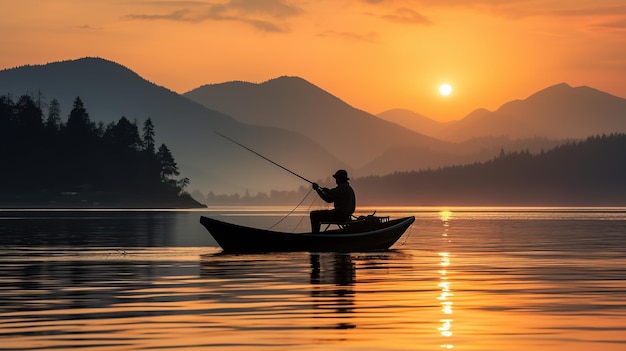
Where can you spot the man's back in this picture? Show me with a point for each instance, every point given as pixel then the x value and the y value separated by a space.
pixel 342 196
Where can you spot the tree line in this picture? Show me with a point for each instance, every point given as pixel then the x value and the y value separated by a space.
pixel 577 173
pixel 582 173
pixel 46 160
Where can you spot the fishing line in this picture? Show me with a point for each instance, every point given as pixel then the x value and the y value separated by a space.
pixel 314 201
pixel 276 164
pixel 407 236
pixel 292 211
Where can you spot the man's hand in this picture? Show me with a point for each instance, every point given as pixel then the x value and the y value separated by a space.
pixel 315 186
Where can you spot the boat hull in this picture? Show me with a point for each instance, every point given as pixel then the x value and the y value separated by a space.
pixel 240 239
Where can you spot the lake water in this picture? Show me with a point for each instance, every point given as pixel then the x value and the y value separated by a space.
pixel 461 278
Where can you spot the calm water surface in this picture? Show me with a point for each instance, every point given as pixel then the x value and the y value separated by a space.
pixel 460 278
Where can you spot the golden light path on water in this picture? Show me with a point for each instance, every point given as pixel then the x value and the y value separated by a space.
pixel 445 298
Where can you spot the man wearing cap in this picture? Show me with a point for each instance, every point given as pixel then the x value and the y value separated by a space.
pixel 342 196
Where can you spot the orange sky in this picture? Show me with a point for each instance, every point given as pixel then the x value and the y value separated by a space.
pixel 373 54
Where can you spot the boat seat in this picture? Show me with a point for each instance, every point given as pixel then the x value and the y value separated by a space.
pixel 341 225
pixel 357 223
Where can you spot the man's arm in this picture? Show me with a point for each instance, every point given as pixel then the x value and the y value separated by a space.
pixel 325 194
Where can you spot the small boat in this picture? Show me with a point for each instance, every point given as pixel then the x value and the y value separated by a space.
pixel 362 235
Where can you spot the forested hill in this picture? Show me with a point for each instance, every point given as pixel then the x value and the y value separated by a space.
pixel 585 173
pixel 48 163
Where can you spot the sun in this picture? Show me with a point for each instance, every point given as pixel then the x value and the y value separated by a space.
pixel 445 89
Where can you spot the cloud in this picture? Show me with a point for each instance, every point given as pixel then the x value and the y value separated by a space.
pixel 264 26
pixel 512 8
pixel 87 27
pixel 369 37
pixel 166 3
pixel 563 10
pixel 265 16
pixel 184 15
pixel 273 8
pixel 611 26
pixel 408 16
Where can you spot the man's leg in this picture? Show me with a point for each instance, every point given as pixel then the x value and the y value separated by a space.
pixel 319 216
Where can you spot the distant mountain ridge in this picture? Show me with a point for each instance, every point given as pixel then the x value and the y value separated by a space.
pixel 368 144
pixel 557 112
pixel 414 121
pixel 292 103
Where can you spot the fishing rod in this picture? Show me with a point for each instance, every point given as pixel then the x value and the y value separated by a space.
pixel 263 157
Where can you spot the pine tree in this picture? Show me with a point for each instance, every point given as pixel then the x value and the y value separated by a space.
pixel 29 116
pixel 148 136
pixel 124 135
pixel 169 168
pixel 79 127
pixel 53 122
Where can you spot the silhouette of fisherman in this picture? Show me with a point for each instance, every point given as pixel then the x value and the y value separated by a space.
pixel 342 196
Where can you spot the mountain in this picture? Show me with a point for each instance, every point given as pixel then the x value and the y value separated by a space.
pixel 368 144
pixel 414 121
pixel 292 103
pixel 557 112
pixel 110 91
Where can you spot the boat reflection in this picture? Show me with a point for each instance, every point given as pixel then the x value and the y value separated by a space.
pixel 321 299
pixel 332 287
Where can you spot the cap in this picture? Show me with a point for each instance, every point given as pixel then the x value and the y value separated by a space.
pixel 342 174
